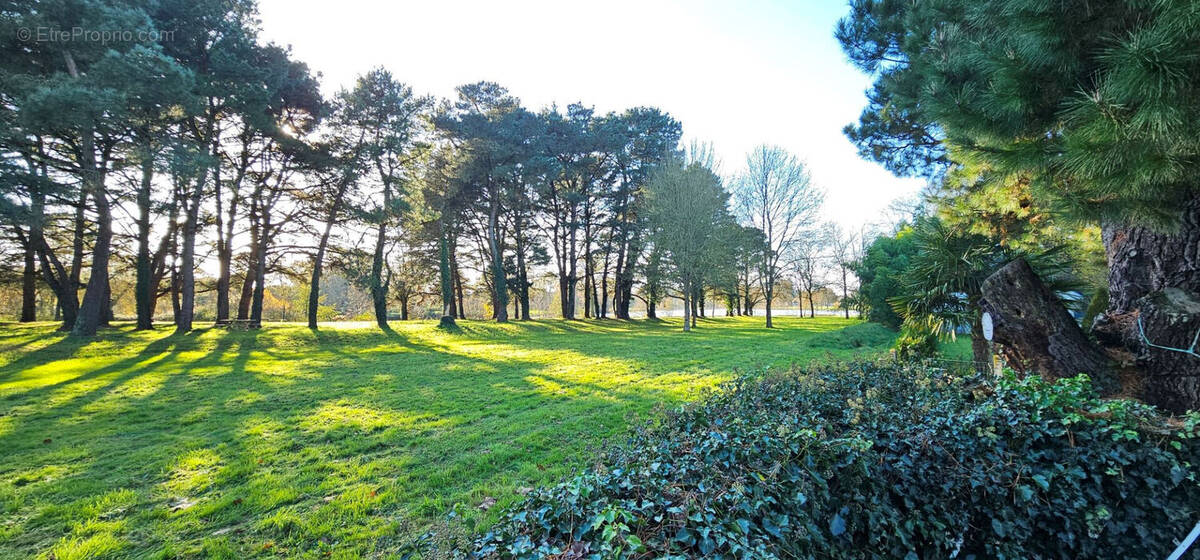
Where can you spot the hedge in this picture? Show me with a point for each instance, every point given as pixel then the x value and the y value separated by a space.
pixel 877 461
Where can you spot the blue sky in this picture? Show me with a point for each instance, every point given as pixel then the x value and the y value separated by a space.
pixel 736 74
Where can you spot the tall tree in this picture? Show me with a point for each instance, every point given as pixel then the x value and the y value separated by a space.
pixel 776 194
pixel 493 136
pixel 687 210
pixel 338 164
pixel 79 102
pixel 393 117
pixel 842 245
pixel 1095 104
pixel 216 41
pixel 649 137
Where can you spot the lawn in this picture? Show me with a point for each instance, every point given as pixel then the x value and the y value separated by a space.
pixel 342 443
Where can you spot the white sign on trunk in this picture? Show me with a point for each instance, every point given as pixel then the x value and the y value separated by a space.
pixel 987 326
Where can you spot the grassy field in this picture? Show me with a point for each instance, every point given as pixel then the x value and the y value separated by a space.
pixel 344 443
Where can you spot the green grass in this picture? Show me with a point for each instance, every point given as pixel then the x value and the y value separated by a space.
pixel 957 349
pixel 343 443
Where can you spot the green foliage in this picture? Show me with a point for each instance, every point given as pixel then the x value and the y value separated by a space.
pixel 1094 103
pixel 879 273
pixel 687 209
pixel 877 461
pixel 943 284
pixel 916 343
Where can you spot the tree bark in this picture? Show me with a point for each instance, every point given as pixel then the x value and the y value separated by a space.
pixel 187 266
pixel 981 354
pixel 226 222
pixel 378 288
pixel 246 296
pixel 91 309
pixel 523 275
pixel 768 295
pixel 1153 310
pixel 29 282
pixel 142 284
pixel 845 293
pixel 499 284
pixel 260 270
pixel 54 273
pixel 687 306
pixel 445 278
pixel 1037 333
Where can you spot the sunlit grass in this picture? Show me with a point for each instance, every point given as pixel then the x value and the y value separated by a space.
pixel 348 441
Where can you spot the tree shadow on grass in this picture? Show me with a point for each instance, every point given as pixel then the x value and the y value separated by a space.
pixel 312 441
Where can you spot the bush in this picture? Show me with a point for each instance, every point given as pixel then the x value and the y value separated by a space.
pixel 859 335
pixel 877 461
pixel 916 344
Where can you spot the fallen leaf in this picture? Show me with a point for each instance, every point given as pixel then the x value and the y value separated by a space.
pixel 487 503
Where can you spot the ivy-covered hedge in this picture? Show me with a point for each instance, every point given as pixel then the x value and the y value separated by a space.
pixel 877 461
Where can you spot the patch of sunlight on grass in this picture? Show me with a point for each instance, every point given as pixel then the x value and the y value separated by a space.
pixel 343 442
pixel 342 414
pixel 101 545
pixel 245 398
pixel 45 473
pixel 192 472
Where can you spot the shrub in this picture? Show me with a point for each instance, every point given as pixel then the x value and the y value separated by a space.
pixel 877 461
pixel 916 344
pixel 859 335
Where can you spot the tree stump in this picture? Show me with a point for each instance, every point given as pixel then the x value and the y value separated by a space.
pixel 1037 333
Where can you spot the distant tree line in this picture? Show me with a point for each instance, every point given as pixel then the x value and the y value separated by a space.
pixel 201 164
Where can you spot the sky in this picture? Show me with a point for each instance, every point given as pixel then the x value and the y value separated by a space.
pixel 736 74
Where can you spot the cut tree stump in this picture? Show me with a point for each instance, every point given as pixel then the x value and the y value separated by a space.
pixel 1037 333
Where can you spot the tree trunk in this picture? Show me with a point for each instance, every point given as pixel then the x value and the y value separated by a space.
pixel 981 353
pixel 687 307
pixel 845 293
pixel 1153 313
pixel 225 225
pixel 224 277
pixel 378 289
pixel 314 283
pixel 142 284
pixel 769 294
pixel 176 305
pixel 187 266
pixel 91 309
pixel 458 284
pixel 260 271
pixel 1037 333
pixel 314 286
pixel 523 289
pixel 106 308
pixel 445 278
pixel 29 284
pixel 499 283
pixel 246 296
pixel 53 272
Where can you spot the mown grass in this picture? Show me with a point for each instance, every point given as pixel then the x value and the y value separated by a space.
pixel 342 443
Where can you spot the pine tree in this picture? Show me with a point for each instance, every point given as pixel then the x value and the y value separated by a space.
pixel 1094 103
